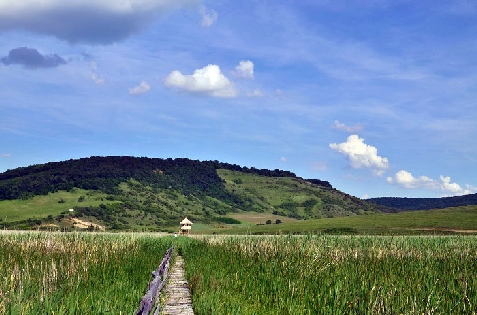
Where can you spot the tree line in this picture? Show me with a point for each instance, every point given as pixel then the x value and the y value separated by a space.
pixel 106 173
pixel 425 203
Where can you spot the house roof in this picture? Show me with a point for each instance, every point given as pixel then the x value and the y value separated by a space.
pixel 186 221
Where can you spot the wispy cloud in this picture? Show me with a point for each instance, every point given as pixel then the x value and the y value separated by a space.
pixel 342 127
pixel 256 93
pixel 5 155
pixel 207 81
pixel 318 166
pixel 31 58
pixel 361 155
pixel 94 75
pixel 209 16
pixel 142 88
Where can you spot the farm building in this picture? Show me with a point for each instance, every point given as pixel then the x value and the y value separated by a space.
pixel 186 226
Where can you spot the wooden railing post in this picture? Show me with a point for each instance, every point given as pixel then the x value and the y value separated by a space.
pixel 159 275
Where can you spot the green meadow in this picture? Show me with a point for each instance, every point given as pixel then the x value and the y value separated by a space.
pixel 53 204
pixel 439 221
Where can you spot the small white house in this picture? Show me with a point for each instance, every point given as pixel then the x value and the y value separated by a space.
pixel 186 226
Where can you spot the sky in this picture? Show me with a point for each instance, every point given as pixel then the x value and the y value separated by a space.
pixel 378 97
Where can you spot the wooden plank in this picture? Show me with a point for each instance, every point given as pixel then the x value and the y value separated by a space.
pixel 177 294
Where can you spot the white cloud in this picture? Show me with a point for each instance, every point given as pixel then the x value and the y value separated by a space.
pixel 342 127
pixel 244 69
pixel 85 21
pixel 209 17
pixel 5 155
pixel 95 76
pixel 283 159
pixel 361 155
pixel 452 188
pixel 209 81
pixel 407 180
pixel 143 87
pixel 470 187
pixel 256 93
pixel 96 79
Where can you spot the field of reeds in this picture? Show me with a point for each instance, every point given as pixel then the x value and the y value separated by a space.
pixel 99 273
pixel 76 273
pixel 333 275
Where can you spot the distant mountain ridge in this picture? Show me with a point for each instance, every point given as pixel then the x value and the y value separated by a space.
pixel 425 203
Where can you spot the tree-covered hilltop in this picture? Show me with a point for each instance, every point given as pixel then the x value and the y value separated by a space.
pixel 106 173
pixel 124 192
pixel 425 203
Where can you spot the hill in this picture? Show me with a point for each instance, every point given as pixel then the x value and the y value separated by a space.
pixel 139 193
pixel 425 203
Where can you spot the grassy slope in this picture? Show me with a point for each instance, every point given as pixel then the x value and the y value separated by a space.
pixel 41 206
pixel 291 197
pixel 428 221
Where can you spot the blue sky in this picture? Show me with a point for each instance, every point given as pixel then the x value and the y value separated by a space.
pixel 377 97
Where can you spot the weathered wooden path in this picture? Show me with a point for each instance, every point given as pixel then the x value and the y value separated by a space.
pixel 177 295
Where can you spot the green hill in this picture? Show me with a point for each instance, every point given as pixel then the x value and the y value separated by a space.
pixel 138 193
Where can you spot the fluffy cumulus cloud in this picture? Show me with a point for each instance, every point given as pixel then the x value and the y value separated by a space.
pixel 209 17
pixel 407 180
pixel 244 69
pixel 85 21
pixel 342 127
pixel 206 81
pixel 361 155
pixel 31 58
pixel 143 87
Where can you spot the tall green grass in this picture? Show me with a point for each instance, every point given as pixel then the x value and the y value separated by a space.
pixel 80 273
pixel 77 273
pixel 333 275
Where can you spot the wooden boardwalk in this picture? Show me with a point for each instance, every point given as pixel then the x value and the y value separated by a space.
pixel 176 294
